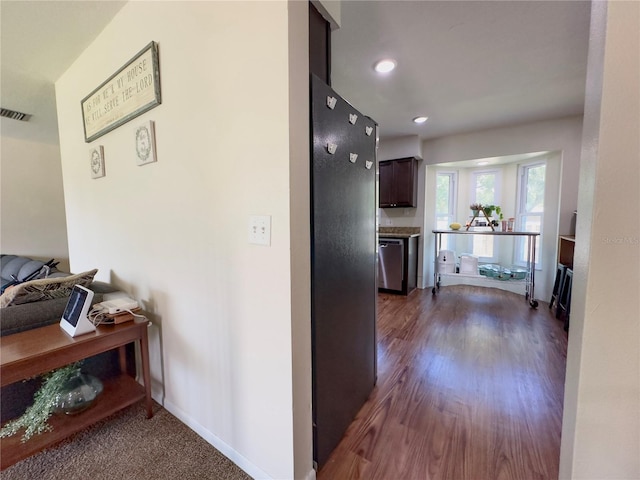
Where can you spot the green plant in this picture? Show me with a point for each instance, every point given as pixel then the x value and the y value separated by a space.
pixel 488 210
pixel 475 206
pixel 35 419
pixel 499 212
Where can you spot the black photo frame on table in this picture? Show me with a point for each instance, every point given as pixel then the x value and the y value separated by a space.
pixel 128 93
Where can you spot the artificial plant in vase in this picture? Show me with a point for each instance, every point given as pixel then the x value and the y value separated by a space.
pixel 35 419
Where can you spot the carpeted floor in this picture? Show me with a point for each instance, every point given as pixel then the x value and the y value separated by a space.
pixel 127 446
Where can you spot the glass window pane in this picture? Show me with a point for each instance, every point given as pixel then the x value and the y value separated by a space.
pixel 521 256
pixel 531 223
pixel 443 189
pixel 483 246
pixel 442 222
pixel 528 223
pixel 485 188
pixel 535 189
pixel 484 191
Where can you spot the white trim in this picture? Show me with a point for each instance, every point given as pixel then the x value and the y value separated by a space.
pixel 237 458
pixel 311 475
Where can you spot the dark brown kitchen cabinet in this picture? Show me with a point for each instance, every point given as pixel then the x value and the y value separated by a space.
pixel 399 183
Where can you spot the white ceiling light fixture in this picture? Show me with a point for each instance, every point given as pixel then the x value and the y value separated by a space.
pixel 385 66
pixel 483 163
pixel 420 119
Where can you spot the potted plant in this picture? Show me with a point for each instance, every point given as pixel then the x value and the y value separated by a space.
pixel 501 218
pixel 475 208
pixel 488 210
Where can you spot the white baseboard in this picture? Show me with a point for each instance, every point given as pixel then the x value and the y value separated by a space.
pixel 222 446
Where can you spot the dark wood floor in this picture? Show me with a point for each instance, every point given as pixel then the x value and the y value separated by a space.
pixel 470 386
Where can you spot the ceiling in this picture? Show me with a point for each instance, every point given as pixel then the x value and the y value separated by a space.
pixel 466 65
pixel 39 41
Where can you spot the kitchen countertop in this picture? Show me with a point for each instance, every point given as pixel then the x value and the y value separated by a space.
pixel 398 232
pixel 397 235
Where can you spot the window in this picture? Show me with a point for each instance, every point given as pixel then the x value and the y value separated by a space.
pixel 530 207
pixel 485 189
pixel 446 194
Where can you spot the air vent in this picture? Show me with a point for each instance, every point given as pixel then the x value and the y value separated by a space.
pixel 5 112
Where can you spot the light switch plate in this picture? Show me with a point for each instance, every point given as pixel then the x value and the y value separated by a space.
pixel 260 230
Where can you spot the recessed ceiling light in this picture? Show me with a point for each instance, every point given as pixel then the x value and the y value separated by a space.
pixel 420 119
pixel 483 163
pixel 385 66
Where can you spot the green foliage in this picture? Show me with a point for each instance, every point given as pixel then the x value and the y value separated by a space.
pixel 535 189
pixel 485 188
pixel 488 210
pixel 35 419
pixel 442 194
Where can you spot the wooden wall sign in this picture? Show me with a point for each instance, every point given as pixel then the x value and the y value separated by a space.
pixel 131 91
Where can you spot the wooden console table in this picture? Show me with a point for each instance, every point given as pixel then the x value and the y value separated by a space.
pixel 27 354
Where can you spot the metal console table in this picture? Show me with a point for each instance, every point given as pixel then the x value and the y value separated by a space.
pixel 532 238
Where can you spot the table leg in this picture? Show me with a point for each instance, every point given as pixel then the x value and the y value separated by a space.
pixel 122 356
pixel 146 372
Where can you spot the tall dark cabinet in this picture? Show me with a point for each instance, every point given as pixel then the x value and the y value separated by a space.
pixel 343 264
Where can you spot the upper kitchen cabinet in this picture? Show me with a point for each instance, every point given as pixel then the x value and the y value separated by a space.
pixel 399 183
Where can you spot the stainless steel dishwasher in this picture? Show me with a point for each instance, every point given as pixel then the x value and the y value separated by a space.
pixel 390 263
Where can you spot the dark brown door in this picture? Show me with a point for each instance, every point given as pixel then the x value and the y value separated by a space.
pixel 404 176
pixel 319 45
pixel 398 183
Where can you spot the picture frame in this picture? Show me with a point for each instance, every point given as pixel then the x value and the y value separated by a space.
pixel 96 162
pixel 145 143
pixel 131 91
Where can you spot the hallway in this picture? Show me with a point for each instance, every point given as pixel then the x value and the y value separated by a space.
pixel 470 386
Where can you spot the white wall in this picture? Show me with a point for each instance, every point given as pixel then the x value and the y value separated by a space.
pixel 563 135
pixel 32 199
pixel 548 240
pixel 601 424
pixel 391 149
pixel 174 233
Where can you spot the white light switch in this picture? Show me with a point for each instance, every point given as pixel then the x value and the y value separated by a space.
pixel 260 230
